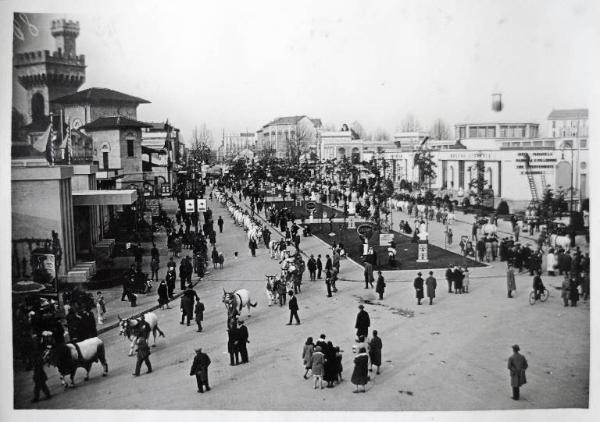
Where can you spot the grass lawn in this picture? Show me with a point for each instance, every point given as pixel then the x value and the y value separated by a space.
pixel 406 250
pixel 301 212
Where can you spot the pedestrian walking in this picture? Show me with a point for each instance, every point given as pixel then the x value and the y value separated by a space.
pixel 252 246
pixel 170 279
pixel 220 224
pixel 363 322
pixel 100 307
pixel 312 268
pixel 319 267
pixel 215 257
pixel 375 346
pixel 243 340
pixel 368 274
pixel 187 306
pixel 307 352
pixel 200 370
pixel 517 364
pixel 431 284
pixel 143 356
pixel 199 312
pixel 380 285
pixel 510 280
pixel 573 291
pixel 318 366
pixel 293 307
pixel 39 379
pixel 418 285
pixel 565 291
pixel 360 375
pixel 163 295
pixel 449 277
pixel 466 280
pixel 328 282
pixel 154 266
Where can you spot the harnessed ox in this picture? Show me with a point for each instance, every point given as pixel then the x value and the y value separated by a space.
pixel 67 357
pixel 235 302
pixel 140 327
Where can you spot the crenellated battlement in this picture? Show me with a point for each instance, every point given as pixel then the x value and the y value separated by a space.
pixel 64 25
pixel 56 57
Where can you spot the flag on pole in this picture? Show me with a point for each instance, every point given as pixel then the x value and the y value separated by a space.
pixel 68 143
pixel 50 143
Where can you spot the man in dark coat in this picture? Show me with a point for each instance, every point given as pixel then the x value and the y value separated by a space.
pixel 431 284
pixel 293 306
pixel 200 369
pixel 363 322
pixel 220 224
pixel 233 345
pixel 517 364
pixel 449 277
pixel 187 306
pixel 170 279
pixel 380 285
pixel 312 268
pixel 243 340
pixel 199 311
pixel 319 267
pixel 418 284
pixel 39 378
pixel 368 273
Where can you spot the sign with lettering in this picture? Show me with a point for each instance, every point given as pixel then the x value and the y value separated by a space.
pixel 154 206
pixel 310 206
pixel 422 255
pixel 365 230
pixel 202 205
pixel 166 190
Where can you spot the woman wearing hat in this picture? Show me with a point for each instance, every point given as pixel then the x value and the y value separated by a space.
pixel 360 375
pixel 318 366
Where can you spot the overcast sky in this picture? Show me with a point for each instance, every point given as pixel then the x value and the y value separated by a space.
pixel 237 65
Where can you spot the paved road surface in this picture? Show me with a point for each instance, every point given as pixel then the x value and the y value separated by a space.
pixel 450 356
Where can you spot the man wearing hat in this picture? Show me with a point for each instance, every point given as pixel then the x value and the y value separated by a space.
pixel 449 277
pixel 431 283
pixel 243 339
pixel 293 306
pixel 418 284
pixel 363 322
pixel 517 364
pixel 200 369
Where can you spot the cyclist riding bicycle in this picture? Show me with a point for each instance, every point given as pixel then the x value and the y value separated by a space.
pixel 538 285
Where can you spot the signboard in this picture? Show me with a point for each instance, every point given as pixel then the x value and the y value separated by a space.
pixel 165 190
pixel 310 206
pixel 422 255
pixel 351 207
pixel 189 205
pixel 43 266
pixel 351 224
pixel 202 205
pixel 154 206
pixel 386 239
pixel 366 230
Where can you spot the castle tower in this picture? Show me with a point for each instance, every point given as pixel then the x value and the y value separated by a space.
pixel 46 75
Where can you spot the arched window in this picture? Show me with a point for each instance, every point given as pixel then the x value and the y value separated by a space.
pixel 38 109
pixel 341 153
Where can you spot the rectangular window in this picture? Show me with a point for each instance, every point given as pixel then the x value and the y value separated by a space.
pixel 549 144
pixel 533 131
pixel 502 131
pixel 481 132
pixel 462 132
pixel 130 148
pixel 538 144
pixel 583 143
pixel 472 132
pixel 490 132
pixel 553 124
pixel 105 160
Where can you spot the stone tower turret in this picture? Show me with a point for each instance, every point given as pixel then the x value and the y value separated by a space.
pixel 65 32
pixel 47 76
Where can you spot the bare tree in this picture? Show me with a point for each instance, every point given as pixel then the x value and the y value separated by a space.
pixel 380 135
pixel 359 129
pixel 410 124
pixel 329 127
pixel 299 141
pixel 200 141
pixel 440 130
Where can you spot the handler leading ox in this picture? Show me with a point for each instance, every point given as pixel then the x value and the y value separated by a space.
pixel 140 327
pixel 67 357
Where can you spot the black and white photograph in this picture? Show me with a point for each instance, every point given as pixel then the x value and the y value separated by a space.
pixel 298 207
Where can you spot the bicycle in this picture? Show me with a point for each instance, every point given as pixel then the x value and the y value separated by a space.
pixel 544 295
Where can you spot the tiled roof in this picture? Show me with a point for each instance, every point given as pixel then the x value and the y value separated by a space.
pixel 114 122
pixel 94 95
pixel 571 114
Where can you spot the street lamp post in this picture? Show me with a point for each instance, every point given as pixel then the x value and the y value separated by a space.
pixel 572 187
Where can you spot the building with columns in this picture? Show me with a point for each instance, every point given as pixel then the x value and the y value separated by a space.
pixel 275 136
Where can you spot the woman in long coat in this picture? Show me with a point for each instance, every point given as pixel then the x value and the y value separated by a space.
pixel 360 375
pixel 307 353
pixel 380 285
pixel 330 365
pixel 573 292
pixel 418 285
pixel 317 366
pixel 375 346
pixel 550 262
